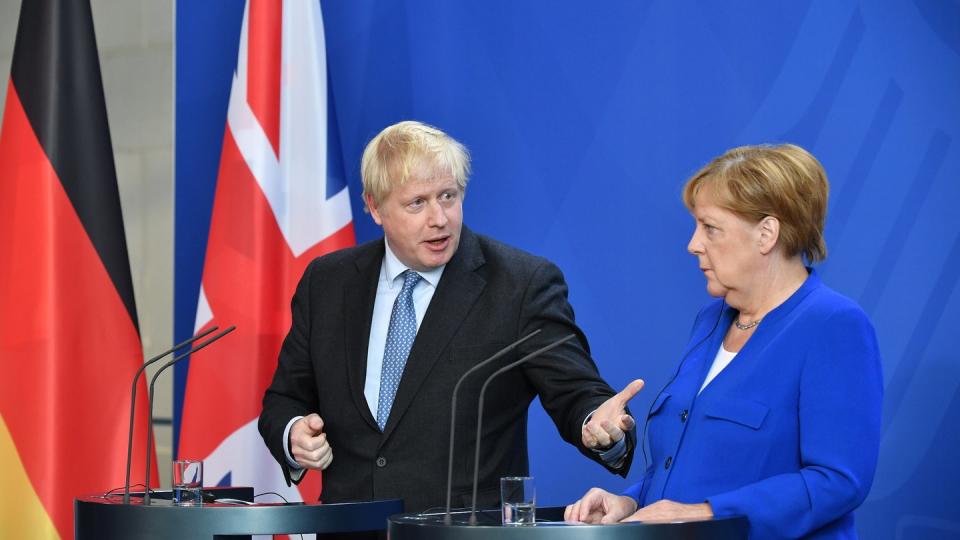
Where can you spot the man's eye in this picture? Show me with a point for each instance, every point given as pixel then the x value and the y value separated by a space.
pixel 448 196
pixel 416 203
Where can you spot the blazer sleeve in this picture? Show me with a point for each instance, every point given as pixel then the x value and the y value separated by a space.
pixel 566 378
pixel 840 401
pixel 293 391
pixel 636 491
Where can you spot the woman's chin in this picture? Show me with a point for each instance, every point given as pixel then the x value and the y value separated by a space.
pixel 716 290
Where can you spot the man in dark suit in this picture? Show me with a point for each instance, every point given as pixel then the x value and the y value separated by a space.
pixel 382 332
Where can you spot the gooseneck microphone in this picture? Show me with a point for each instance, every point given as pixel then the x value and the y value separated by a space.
pixel 179 357
pixel 483 390
pixel 133 402
pixel 453 410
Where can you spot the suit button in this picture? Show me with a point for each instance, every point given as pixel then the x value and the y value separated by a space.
pixel 683 415
pixel 381 461
pixel 669 460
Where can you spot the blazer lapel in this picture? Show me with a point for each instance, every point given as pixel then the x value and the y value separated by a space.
pixel 709 353
pixel 458 290
pixel 361 290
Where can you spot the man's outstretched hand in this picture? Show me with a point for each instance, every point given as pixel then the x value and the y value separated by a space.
pixel 610 421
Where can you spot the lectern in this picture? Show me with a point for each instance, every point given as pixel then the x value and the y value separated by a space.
pixel 107 518
pixel 550 526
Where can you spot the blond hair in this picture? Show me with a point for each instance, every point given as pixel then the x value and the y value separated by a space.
pixel 783 181
pixel 408 148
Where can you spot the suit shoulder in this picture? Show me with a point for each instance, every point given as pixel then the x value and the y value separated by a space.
pixel 499 254
pixel 334 261
pixel 828 304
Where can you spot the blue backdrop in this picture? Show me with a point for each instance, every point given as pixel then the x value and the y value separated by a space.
pixel 585 119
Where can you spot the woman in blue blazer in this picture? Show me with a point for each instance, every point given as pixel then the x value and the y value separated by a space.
pixel 774 411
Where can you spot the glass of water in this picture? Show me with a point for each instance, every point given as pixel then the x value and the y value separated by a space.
pixel 518 496
pixel 187 482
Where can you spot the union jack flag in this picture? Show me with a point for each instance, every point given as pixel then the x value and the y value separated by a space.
pixel 281 200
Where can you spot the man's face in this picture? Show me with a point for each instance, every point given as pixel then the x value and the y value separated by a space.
pixel 422 219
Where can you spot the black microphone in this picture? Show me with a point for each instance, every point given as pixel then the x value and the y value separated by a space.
pixel 179 357
pixel 483 390
pixel 133 401
pixel 453 410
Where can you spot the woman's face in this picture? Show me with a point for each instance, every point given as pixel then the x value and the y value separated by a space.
pixel 726 246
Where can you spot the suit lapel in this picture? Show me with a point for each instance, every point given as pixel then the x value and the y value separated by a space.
pixel 361 289
pixel 458 290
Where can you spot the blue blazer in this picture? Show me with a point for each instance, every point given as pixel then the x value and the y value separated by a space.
pixel 787 434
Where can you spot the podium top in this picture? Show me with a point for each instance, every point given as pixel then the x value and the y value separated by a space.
pixel 106 518
pixel 550 525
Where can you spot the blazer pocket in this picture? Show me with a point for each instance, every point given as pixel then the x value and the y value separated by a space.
pixel 658 403
pixel 741 411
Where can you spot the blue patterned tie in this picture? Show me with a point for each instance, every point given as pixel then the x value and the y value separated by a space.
pixel 400 335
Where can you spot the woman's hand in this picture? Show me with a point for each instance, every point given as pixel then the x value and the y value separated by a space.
pixel 599 506
pixel 664 510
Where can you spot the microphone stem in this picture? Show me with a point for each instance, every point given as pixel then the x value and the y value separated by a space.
pixel 483 391
pixel 153 380
pixel 133 403
pixel 447 519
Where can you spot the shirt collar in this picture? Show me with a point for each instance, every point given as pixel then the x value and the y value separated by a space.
pixel 392 268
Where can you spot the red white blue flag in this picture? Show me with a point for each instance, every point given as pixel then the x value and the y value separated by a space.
pixel 69 337
pixel 281 200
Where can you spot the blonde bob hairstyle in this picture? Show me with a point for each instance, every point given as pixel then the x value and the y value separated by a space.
pixel 411 148
pixel 783 181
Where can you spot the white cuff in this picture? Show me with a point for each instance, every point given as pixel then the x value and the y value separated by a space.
pixel 294 466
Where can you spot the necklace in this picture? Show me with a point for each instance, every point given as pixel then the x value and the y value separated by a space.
pixel 736 323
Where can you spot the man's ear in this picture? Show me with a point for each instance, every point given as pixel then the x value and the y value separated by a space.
pixel 374 209
pixel 769 234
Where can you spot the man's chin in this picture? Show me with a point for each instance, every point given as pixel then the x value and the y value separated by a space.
pixel 431 260
pixel 437 262
pixel 438 257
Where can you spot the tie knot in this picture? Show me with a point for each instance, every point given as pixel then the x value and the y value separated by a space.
pixel 410 280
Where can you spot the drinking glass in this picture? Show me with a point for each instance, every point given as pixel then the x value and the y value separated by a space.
pixel 518 496
pixel 187 482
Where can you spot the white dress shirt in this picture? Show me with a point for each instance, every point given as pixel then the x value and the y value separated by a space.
pixel 388 288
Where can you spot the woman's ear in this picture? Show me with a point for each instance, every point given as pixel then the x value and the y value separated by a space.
pixel 769 234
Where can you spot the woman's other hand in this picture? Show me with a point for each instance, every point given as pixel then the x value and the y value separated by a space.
pixel 599 506
pixel 664 510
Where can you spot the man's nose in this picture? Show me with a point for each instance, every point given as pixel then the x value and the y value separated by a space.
pixel 438 214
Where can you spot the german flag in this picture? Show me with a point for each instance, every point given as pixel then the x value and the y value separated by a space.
pixel 69 338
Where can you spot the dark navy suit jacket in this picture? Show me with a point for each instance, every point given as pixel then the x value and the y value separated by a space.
pixel 490 295
pixel 788 433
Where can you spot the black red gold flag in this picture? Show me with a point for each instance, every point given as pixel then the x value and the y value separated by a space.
pixel 69 338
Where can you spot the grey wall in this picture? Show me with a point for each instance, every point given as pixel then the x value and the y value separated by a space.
pixel 135 38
